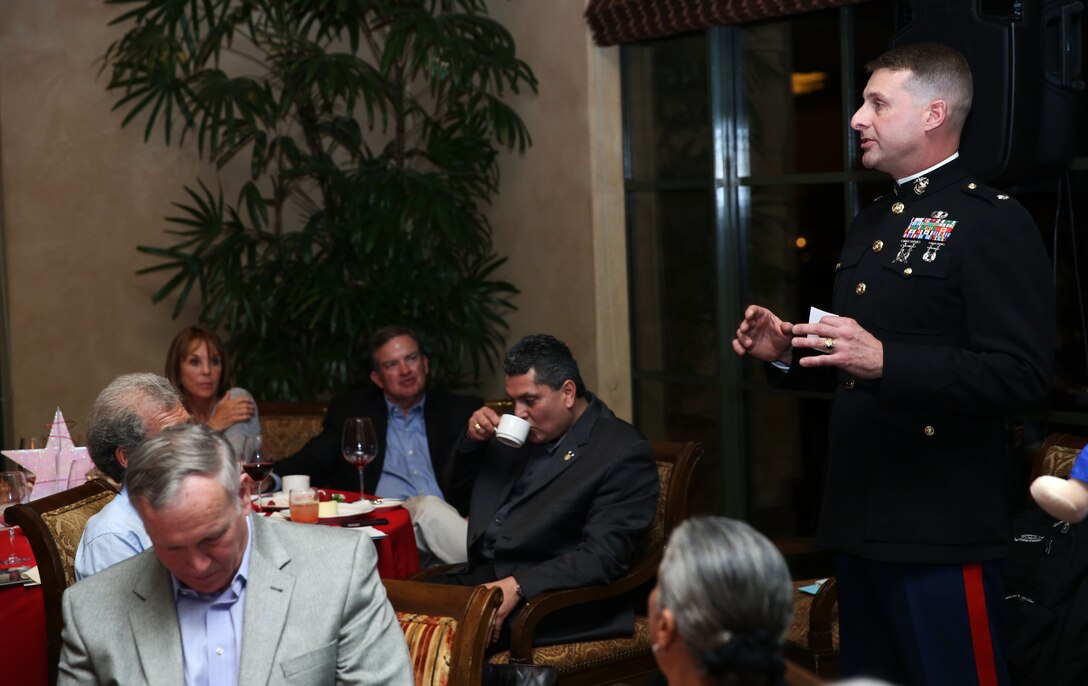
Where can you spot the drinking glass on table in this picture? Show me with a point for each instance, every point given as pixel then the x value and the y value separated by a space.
pixel 304 505
pixel 360 445
pixel 256 464
pixel 13 491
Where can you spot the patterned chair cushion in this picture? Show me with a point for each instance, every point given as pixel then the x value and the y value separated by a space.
pixel 430 645
pixel 283 436
pixel 574 657
pixel 67 525
pixel 1058 461
pixel 797 634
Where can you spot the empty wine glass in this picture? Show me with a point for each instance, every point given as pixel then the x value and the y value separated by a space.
pixel 13 491
pixel 360 444
pixel 256 464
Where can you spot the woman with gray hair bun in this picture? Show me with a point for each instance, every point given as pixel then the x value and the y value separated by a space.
pixel 721 606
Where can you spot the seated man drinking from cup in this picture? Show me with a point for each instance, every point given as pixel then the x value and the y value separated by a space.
pixel 564 510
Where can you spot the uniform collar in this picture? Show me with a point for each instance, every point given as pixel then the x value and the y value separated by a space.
pixel 928 182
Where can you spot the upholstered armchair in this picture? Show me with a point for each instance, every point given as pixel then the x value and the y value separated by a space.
pixel 54 526
pixel 286 427
pixel 448 629
pixel 1056 455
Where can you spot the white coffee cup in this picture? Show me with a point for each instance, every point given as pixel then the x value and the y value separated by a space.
pixel 295 482
pixel 512 431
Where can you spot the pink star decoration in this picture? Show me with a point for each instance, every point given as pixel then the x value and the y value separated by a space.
pixel 57 463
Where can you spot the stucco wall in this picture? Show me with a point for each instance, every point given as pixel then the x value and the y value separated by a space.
pixel 79 193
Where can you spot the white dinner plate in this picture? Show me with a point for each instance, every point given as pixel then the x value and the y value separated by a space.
pixel 351 509
pixel 273 501
pixel 386 503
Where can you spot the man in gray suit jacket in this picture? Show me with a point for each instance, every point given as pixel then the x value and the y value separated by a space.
pixel 225 597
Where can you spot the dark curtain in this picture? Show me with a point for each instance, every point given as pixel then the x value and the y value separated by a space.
pixel 626 21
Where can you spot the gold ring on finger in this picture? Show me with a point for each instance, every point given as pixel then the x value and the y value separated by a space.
pixel 829 343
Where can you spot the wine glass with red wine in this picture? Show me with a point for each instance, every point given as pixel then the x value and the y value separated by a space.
pixel 360 445
pixel 256 464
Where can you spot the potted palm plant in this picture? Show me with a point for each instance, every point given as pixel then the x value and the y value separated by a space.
pixel 371 129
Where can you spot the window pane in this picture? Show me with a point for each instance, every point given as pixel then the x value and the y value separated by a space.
pixel 673 282
pixel 787 445
pixel 792 95
pixel 794 235
pixel 1070 385
pixel 685 412
pixel 667 107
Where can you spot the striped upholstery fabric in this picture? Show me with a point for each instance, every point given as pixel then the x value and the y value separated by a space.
pixel 430 645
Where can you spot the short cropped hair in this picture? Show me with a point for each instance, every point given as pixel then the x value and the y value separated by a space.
pixel 386 334
pixel 119 417
pixel 549 357
pixel 729 591
pixel 159 465
pixel 937 72
pixel 183 343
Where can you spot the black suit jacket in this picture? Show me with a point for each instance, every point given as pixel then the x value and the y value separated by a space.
pixel 444 414
pixel 577 524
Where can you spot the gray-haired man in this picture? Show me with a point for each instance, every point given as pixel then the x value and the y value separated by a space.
pixel 223 593
pixel 132 408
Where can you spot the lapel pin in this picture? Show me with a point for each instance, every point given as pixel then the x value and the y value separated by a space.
pixel 570 454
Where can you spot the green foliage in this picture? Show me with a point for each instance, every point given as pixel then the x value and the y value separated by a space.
pixel 371 129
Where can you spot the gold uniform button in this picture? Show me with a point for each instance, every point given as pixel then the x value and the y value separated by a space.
pixel 878 246
pixel 849 385
pixel 860 289
pixel 928 430
pixel 897 208
pixel 908 271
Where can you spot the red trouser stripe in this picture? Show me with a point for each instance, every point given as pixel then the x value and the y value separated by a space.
pixel 980 625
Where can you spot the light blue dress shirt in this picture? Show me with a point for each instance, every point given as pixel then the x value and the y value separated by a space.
pixel 407 469
pixel 113 535
pixel 211 627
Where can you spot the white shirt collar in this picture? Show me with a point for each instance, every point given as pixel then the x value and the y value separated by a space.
pixel 912 177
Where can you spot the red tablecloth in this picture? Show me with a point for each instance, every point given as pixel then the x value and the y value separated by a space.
pixel 22 624
pixel 22 613
pixel 398 557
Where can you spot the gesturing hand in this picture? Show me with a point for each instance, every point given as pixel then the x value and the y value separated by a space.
pixel 763 335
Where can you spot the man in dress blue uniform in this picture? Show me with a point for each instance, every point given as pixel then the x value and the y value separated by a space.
pixel 944 327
